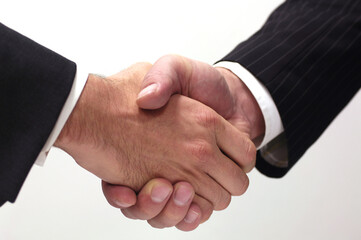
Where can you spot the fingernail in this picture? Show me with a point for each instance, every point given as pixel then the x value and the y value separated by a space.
pixel 191 216
pixel 148 90
pixel 159 193
pixel 182 196
pixel 122 205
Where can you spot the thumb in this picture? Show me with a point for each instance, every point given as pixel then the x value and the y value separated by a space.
pixel 119 196
pixel 168 76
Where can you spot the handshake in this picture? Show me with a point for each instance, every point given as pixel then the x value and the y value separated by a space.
pixel 171 141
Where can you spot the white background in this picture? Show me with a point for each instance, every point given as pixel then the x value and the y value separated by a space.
pixel 319 199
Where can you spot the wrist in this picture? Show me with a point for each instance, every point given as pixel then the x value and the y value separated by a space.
pixel 245 100
pixel 76 128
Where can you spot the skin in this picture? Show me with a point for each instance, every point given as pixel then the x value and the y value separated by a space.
pixel 218 88
pixel 185 142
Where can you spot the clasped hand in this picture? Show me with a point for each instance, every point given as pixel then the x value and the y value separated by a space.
pixel 184 157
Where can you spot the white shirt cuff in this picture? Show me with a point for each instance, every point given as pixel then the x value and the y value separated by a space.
pixel 75 92
pixel 273 122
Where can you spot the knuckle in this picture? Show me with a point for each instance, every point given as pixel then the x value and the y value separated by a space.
pixel 202 151
pixel 135 68
pixel 135 71
pixel 207 117
pixel 146 65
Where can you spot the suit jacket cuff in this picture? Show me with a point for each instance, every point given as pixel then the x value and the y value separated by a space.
pixel 79 82
pixel 273 122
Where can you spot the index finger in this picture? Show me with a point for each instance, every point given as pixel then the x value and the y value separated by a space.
pixel 236 145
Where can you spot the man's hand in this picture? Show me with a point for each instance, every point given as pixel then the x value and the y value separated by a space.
pixel 161 209
pixel 111 137
pixel 216 87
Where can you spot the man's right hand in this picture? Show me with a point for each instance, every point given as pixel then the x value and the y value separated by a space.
pixel 216 87
pixel 111 137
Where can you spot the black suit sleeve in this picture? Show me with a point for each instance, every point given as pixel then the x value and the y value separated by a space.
pixel 34 85
pixel 308 55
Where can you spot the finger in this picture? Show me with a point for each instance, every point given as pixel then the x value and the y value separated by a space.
pixel 192 219
pixel 165 78
pixel 176 208
pixel 151 200
pixel 218 165
pixel 229 175
pixel 207 183
pixel 119 196
pixel 208 188
pixel 205 206
pixel 236 145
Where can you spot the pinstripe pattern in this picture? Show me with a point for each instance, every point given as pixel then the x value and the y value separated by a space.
pixel 308 54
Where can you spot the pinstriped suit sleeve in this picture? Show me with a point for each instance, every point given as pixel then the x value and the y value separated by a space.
pixel 308 55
